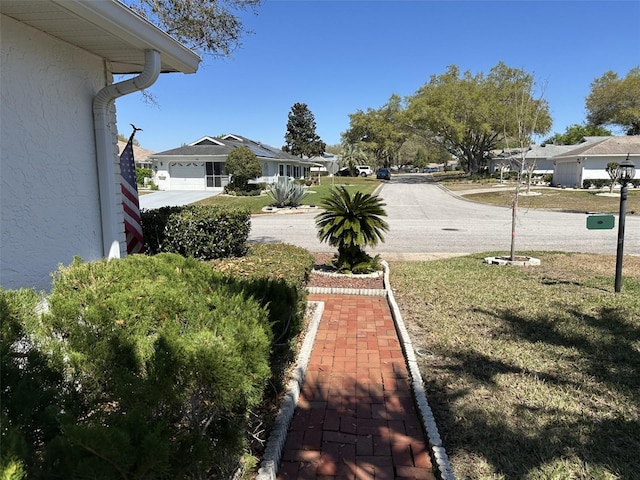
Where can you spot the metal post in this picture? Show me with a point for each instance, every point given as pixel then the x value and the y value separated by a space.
pixel 623 211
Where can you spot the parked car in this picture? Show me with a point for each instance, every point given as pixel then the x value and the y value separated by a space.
pixel 384 174
pixel 363 170
pixel 344 172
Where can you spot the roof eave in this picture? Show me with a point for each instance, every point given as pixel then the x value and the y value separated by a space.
pixel 128 25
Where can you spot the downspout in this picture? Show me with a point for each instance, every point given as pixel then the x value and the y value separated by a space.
pixel 111 228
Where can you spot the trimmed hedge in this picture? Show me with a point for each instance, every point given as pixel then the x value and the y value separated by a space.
pixel 162 359
pixel 201 232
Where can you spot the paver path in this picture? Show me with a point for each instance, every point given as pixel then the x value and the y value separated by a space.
pixel 355 417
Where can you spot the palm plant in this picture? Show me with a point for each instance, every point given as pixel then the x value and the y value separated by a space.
pixel 351 223
pixel 352 155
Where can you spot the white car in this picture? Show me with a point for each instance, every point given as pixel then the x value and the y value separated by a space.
pixel 364 170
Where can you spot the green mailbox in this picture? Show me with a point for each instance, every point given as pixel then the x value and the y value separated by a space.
pixel 600 222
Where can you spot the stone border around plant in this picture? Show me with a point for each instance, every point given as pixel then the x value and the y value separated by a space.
pixel 271 459
pixel 527 262
pixel 324 273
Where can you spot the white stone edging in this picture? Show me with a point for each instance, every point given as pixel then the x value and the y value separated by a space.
pixel 435 442
pixel 271 459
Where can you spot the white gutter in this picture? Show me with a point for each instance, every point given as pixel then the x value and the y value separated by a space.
pixel 112 229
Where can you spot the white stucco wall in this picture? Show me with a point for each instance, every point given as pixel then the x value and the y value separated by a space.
pixel 49 197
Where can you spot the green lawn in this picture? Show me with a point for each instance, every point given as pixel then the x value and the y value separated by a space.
pixel 316 193
pixel 532 373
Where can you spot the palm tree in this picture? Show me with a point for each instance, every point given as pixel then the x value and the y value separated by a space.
pixel 352 155
pixel 352 223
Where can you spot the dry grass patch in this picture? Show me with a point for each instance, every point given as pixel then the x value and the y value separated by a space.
pixel 558 199
pixel 531 372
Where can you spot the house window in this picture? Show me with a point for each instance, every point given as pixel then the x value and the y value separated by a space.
pixel 288 170
pixel 281 170
pixel 296 171
pixel 214 173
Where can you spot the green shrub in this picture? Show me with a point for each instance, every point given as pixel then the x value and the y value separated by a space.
pixel 31 388
pixel 276 275
pixel 201 232
pixel 142 173
pixel 165 360
pixel 154 223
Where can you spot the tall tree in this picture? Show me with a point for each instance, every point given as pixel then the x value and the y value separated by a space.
pixel 574 133
pixel 616 101
pixel 378 132
pixel 469 115
pixel 301 138
pixel 211 27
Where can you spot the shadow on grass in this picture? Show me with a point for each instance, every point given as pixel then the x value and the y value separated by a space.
pixel 587 427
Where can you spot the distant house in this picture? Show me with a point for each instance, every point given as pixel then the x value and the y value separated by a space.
pixel 201 164
pixel 538 156
pixel 572 165
pixel 60 182
pixel 588 160
pixel 140 155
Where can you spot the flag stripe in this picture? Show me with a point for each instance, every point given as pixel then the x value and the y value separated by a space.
pixel 130 202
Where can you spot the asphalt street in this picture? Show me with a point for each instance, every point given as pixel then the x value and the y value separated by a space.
pixel 426 220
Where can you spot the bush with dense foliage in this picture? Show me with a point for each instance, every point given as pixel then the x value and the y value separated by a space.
pixel 31 388
pixel 158 361
pixel 142 173
pixel 276 275
pixel 201 232
pixel 242 165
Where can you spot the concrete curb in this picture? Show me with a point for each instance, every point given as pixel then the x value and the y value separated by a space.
pixel 269 467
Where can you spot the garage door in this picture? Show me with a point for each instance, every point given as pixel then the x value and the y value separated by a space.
pixel 187 176
pixel 566 173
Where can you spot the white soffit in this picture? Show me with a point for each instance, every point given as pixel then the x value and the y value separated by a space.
pixel 106 28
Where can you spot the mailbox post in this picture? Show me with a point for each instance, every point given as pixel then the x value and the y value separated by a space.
pixel 626 172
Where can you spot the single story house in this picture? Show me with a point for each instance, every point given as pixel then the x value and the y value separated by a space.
pixel 140 155
pixel 572 165
pixel 60 183
pixel 538 156
pixel 588 160
pixel 200 164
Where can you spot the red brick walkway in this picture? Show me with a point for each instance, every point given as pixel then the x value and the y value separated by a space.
pixel 356 418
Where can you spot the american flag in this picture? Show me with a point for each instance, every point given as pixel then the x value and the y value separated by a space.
pixel 130 202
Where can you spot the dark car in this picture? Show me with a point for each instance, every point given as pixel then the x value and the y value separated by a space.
pixel 384 174
pixel 344 172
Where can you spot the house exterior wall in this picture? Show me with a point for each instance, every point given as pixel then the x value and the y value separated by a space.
pixel 49 196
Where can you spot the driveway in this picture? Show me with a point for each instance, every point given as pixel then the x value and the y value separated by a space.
pixel 427 221
pixel 173 198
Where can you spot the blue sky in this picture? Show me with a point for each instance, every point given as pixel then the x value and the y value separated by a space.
pixel 340 56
